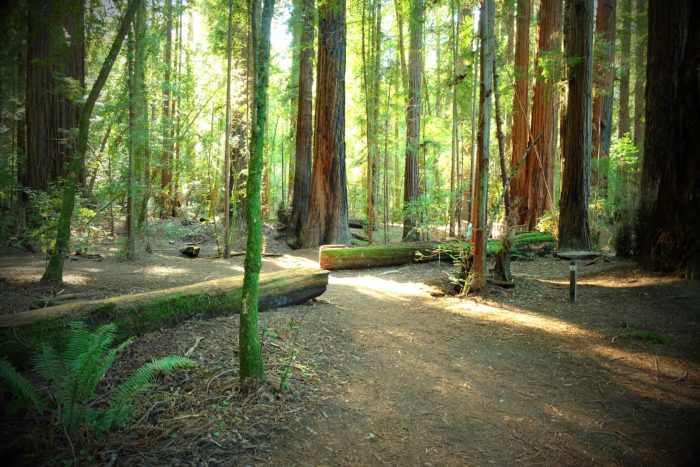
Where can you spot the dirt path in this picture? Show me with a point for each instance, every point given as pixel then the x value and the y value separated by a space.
pixel 389 370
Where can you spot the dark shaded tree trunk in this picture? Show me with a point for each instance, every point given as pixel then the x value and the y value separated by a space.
pixel 249 337
pixel 668 235
pixel 304 128
pixel 574 232
pixel 540 165
pixel 625 51
pixel 327 221
pixel 519 135
pixel 54 270
pixel 55 80
pixel 604 74
pixel 411 190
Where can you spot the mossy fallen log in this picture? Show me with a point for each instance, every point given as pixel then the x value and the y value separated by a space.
pixel 22 333
pixel 333 257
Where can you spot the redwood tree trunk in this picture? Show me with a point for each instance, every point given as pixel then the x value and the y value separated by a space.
pixel 576 151
pixel 670 208
pixel 640 41
pixel 55 50
pixel 625 51
pixel 415 64
pixel 304 130
pixel 518 188
pixel 540 164
pixel 604 75
pixel 327 221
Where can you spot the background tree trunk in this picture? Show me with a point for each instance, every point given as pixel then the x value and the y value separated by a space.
pixel 576 151
pixel 604 74
pixel 327 221
pixel 640 45
pixel 226 179
pixel 304 128
pixel 413 111
pixel 518 188
pixel 540 164
pixel 625 51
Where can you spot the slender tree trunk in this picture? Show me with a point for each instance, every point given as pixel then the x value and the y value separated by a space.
pixel 166 116
pixel 454 161
pixel 249 337
pixel 519 138
pixel 54 270
pixel 604 72
pixel 640 42
pixel 140 137
pixel 130 250
pixel 540 165
pixel 411 189
pixel 481 193
pixel 304 131
pixel 327 221
pixel 578 44
pixel 625 52
pixel 226 179
pixel 401 47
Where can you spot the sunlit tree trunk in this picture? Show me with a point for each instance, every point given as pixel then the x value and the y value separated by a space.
pixel 640 43
pixel 410 187
pixel 54 270
pixel 625 51
pixel 604 73
pixel 540 163
pixel 519 136
pixel 454 160
pixel 166 116
pixel 226 178
pixel 576 151
pixel 304 128
pixel 251 367
pixel 327 221
pixel 481 192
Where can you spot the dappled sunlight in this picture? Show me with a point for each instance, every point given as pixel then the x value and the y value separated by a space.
pixel 382 288
pixel 163 270
pixel 514 316
pixel 288 262
pixel 74 278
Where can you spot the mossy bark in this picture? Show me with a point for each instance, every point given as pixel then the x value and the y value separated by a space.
pixel 249 338
pixel 54 270
pixel 22 333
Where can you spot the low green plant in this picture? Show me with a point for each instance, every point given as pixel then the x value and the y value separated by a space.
pixel 72 377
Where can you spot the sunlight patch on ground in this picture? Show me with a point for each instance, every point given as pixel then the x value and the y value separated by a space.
pixel 288 262
pixel 73 278
pixel 163 271
pixel 382 288
pixel 519 318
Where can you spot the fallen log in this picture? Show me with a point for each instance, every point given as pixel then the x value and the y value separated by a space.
pixel 24 332
pixel 333 257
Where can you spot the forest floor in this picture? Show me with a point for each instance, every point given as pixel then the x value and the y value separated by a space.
pixel 385 368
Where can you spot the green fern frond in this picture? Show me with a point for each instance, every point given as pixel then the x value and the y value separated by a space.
pixel 49 364
pixel 119 411
pixel 19 386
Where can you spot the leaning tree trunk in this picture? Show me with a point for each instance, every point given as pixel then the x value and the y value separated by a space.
pixel 668 238
pixel 486 29
pixel 578 44
pixel 518 189
pixel 249 338
pixel 415 66
pixel 54 270
pixel 304 131
pixel 327 221
pixel 540 165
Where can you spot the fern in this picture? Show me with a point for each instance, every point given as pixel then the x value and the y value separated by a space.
pixel 119 411
pixel 74 374
pixel 19 386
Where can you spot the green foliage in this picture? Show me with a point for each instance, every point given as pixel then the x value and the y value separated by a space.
pixel 646 335
pixel 73 376
pixel 428 211
pixel 549 222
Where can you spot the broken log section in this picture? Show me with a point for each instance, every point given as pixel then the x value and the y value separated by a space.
pixel 24 332
pixel 332 257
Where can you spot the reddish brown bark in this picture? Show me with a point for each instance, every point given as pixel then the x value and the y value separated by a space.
pixel 540 164
pixel 604 74
pixel 518 188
